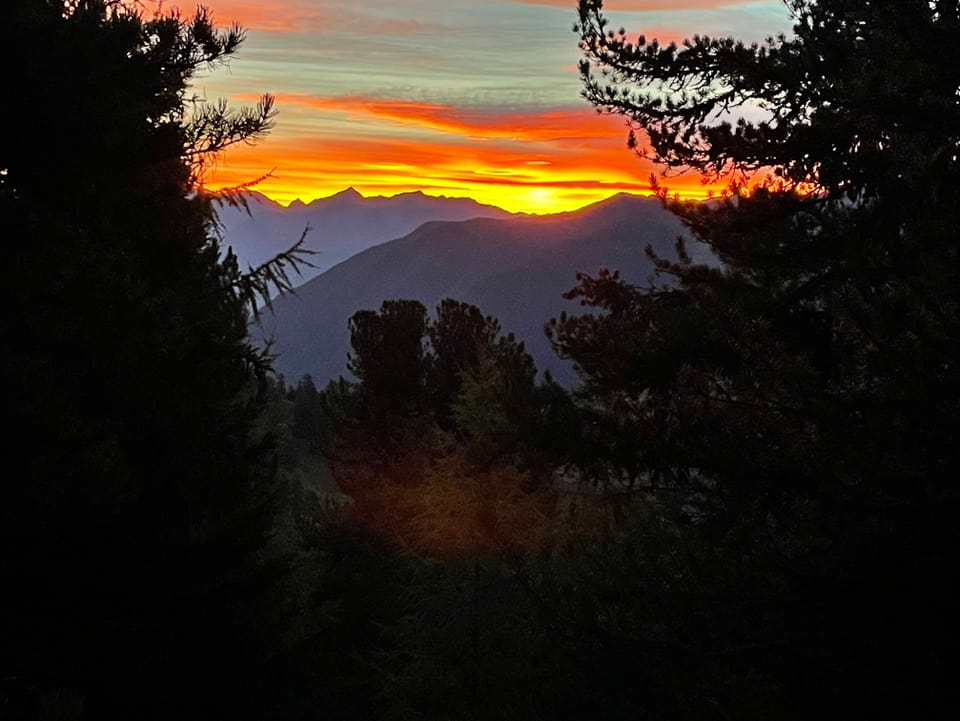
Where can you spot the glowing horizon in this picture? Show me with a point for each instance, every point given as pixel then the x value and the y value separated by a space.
pixel 536 178
pixel 452 98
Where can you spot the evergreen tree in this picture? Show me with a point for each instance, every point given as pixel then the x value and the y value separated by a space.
pixel 135 488
pixel 793 409
pixel 389 357
pixel 458 337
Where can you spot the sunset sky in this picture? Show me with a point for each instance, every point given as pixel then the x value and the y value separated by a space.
pixel 475 98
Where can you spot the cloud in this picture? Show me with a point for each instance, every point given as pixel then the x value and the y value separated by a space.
pixel 276 16
pixel 312 17
pixel 644 5
pixel 476 123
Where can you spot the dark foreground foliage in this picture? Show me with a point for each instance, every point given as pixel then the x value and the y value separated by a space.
pixel 135 489
pixel 795 409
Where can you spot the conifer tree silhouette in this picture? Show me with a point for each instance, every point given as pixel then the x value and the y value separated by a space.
pixel 135 489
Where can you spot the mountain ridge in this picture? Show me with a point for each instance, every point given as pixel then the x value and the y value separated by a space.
pixel 515 269
pixel 337 226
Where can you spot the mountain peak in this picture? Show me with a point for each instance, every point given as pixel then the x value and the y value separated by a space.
pixel 350 193
pixel 345 197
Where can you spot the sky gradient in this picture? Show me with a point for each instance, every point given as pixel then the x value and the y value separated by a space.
pixel 467 98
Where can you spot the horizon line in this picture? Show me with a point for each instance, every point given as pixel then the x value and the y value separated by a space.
pixel 374 194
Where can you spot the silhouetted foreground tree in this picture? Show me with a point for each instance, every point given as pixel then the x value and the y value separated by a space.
pixel 793 412
pixel 134 489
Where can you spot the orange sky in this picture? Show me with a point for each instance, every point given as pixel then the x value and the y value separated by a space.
pixel 532 162
pixel 451 97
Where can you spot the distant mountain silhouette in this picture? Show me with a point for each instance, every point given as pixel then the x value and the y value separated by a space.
pixel 515 269
pixel 340 226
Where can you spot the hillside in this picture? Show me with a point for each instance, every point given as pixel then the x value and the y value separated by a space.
pixel 339 226
pixel 514 269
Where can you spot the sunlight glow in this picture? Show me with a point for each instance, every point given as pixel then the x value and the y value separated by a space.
pixel 390 101
pixel 568 159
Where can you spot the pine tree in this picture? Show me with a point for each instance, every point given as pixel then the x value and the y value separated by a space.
pixel 793 408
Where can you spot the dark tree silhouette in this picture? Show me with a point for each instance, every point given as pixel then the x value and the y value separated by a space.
pixel 458 337
pixel 135 487
pixel 793 410
pixel 389 358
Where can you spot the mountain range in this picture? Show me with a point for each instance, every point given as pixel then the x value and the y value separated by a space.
pixel 513 268
pixel 338 227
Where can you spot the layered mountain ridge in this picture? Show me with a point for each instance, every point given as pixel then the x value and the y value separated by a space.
pixel 515 269
pixel 338 227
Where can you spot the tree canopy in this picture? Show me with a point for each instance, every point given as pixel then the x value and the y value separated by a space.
pixel 794 408
pixel 858 100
